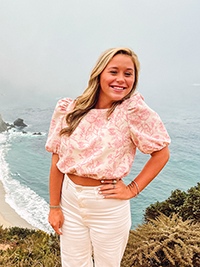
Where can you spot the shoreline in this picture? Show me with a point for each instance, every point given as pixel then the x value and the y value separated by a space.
pixel 8 216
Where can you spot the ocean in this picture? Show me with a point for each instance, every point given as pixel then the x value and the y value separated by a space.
pixel 25 165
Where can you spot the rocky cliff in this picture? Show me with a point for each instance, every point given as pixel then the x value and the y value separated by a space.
pixel 19 123
pixel 3 125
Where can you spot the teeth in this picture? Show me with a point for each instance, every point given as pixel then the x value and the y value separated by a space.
pixel 118 88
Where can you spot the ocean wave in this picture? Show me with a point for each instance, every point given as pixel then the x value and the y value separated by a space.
pixel 16 133
pixel 29 205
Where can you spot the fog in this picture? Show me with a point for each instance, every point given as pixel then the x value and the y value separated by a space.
pixel 48 48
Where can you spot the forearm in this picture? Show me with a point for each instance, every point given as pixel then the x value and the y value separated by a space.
pixel 55 182
pixel 153 166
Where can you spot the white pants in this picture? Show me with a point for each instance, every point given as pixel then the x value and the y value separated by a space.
pixel 92 224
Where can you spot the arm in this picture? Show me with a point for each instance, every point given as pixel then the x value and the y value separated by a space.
pixel 56 218
pixel 153 166
pixel 151 169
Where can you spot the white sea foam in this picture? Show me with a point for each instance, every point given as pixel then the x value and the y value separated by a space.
pixel 4 147
pixel 30 206
pixel 15 133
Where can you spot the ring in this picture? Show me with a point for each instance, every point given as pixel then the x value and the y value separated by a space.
pixel 113 186
pixel 114 181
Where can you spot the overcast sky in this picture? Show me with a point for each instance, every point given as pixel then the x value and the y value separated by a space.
pixel 48 47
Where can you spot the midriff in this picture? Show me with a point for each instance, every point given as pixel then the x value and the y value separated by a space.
pixel 85 181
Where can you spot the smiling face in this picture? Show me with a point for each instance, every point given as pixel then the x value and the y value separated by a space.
pixel 116 80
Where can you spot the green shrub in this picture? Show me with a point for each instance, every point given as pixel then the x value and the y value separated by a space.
pixel 161 242
pixel 187 205
pixel 165 241
pixel 29 248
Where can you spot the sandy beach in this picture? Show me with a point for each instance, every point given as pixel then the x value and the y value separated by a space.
pixel 8 216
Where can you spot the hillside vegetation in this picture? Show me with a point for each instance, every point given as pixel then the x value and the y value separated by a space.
pixel 169 237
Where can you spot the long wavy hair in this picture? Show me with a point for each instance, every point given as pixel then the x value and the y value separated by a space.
pixel 89 98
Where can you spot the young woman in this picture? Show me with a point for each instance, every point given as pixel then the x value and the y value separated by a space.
pixel 93 140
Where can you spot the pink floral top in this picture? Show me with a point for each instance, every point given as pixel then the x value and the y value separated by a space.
pixel 103 148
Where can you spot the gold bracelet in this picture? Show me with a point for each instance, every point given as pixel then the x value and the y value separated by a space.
pixel 54 207
pixel 138 190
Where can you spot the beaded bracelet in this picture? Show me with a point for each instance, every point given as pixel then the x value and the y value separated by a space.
pixel 54 207
pixel 138 190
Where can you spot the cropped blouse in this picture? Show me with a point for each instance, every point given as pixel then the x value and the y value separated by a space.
pixel 104 148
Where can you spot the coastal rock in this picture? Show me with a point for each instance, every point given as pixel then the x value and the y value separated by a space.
pixel 3 126
pixel 10 126
pixel 19 123
pixel 39 133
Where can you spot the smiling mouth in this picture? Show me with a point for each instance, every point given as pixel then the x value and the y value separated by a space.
pixel 117 88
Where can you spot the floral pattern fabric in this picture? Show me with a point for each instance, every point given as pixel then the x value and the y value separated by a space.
pixel 103 148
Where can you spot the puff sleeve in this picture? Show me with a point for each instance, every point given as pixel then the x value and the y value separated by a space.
pixel 54 138
pixel 146 128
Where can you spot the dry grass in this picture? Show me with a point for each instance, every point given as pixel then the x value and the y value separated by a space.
pixel 166 241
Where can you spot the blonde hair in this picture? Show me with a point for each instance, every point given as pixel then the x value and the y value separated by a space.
pixel 89 98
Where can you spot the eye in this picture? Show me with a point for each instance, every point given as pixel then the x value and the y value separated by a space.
pixel 113 72
pixel 128 74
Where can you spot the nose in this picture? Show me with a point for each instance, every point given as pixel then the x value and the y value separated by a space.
pixel 120 78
